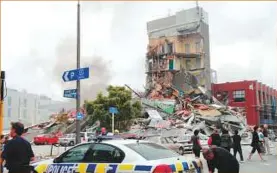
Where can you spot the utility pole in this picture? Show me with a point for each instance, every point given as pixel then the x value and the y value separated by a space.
pixel 113 123
pixel 2 78
pixel 78 85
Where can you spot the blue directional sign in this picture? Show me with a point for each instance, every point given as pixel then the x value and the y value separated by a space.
pixel 72 93
pixel 77 74
pixel 113 110
pixel 79 116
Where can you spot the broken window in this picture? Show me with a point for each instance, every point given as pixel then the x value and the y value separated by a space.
pixel 198 62
pixel 187 48
pixel 170 48
pixel 171 64
pixel 188 65
pixel 239 96
pixel 197 47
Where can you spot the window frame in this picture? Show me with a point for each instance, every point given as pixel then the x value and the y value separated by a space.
pixel 197 46
pixel 198 62
pixel 187 48
pixel 239 95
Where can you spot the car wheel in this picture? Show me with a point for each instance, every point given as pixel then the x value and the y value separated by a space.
pixel 71 143
pixel 181 151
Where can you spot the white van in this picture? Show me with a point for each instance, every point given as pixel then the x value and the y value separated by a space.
pixel 85 136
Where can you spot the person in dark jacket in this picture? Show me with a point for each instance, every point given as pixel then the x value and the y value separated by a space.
pixel 255 144
pixel 225 140
pixel 237 145
pixel 196 147
pixel 18 152
pixel 220 159
pixel 215 138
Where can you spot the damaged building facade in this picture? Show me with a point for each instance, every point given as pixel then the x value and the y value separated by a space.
pixel 257 99
pixel 178 54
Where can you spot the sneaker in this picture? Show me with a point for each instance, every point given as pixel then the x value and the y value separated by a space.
pixel 242 161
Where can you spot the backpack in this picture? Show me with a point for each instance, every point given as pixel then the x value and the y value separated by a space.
pixel 226 141
pixel 210 141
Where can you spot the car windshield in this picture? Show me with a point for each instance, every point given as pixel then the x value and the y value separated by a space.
pixel 152 151
pixel 185 137
pixel 68 136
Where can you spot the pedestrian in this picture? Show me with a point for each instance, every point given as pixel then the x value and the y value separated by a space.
pixel 18 152
pixel 220 159
pixel 98 131
pixel 255 144
pixel 196 146
pixel 261 140
pixel 3 143
pixel 266 139
pixel 103 131
pixel 226 140
pixel 116 132
pixel 237 145
pixel 215 138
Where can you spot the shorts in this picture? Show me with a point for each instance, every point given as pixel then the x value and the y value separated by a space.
pixel 256 147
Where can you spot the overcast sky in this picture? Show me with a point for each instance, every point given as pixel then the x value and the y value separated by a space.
pixel 242 40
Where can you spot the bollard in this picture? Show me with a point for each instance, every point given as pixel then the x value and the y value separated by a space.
pixel 51 152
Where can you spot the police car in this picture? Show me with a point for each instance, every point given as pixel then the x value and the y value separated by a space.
pixel 119 156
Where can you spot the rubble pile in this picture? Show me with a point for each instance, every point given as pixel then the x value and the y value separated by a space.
pixel 197 109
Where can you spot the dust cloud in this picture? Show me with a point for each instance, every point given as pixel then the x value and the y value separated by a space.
pixel 100 75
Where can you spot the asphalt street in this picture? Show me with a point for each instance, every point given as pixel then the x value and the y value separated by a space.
pixel 253 166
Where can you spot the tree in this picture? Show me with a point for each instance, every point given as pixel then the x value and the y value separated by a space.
pixel 119 97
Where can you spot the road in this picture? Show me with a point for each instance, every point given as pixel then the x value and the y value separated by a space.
pixel 253 166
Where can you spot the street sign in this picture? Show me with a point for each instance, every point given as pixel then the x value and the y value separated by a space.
pixel 113 110
pixel 76 74
pixel 79 116
pixel 72 93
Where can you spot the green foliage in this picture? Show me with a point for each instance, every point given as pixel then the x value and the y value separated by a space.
pixel 119 97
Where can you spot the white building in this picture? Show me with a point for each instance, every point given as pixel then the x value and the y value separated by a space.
pixel 29 108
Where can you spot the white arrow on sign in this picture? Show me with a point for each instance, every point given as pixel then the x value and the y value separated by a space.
pixel 66 76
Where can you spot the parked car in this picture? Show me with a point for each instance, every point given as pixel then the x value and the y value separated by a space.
pixel 168 142
pixel 68 140
pixel 46 139
pixel 186 141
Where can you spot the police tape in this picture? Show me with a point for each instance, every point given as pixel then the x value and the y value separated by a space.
pixel 114 168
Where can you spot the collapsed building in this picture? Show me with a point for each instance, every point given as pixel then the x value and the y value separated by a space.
pixel 178 82
pixel 178 47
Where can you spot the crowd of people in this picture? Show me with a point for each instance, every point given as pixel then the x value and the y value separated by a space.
pixel 17 153
pixel 218 154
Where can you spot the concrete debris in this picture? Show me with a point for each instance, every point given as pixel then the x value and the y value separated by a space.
pixel 195 109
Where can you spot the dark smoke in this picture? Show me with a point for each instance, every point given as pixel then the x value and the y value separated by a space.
pixel 100 75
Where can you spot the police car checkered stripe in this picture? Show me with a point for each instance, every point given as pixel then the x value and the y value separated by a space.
pixel 113 168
